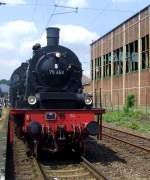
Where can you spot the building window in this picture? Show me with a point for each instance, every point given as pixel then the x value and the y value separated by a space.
pixel 118 61
pixel 121 60
pixel 107 65
pixel 135 57
pixel 109 59
pixel 104 66
pixel 132 57
pixel 98 70
pixel 127 59
pixel 95 70
pixel 145 52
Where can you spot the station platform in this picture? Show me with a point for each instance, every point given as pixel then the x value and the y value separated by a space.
pixel 3 142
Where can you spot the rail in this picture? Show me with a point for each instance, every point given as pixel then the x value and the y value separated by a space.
pixel 97 173
pixel 128 138
pixel 85 170
pixel 30 168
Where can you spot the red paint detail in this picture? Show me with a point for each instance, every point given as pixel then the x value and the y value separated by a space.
pixel 94 110
pixel 72 119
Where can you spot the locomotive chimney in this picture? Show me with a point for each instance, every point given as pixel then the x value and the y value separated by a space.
pixel 52 36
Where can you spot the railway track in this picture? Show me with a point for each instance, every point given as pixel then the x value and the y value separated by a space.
pixel 26 168
pixel 72 170
pixel 137 141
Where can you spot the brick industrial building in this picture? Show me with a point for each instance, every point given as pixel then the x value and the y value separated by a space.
pixel 120 62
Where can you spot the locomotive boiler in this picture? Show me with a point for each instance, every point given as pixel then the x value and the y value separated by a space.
pixel 48 107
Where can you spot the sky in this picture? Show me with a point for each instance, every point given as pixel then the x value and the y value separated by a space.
pixel 23 23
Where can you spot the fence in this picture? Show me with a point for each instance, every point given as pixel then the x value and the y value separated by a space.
pixel 114 100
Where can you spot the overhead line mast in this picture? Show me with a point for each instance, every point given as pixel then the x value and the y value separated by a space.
pixel 54 13
pixel 74 9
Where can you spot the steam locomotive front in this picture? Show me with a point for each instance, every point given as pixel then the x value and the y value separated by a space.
pixel 54 75
pixel 52 71
pixel 56 67
pixel 53 112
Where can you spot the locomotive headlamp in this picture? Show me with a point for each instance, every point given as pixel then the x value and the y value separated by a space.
pixel 32 100
pixel 58 55
pixel 88 100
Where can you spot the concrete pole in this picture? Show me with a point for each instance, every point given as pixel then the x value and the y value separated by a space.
pixel 139 60
pixel 124 63
pixel 112 66
pixel 93 58
pixel 102 71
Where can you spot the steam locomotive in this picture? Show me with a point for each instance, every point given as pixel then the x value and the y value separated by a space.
pixel 48 107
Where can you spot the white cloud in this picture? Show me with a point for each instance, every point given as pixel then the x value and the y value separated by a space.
pixel 72 34
pixel 14 2
pixel 69 35
pixel 14 32
pixel 74 3
pixel 6 45
pixel 76 38
pixel 26 48
pixel 7 67
pixel 18 37
pixel 78 3
pixel 123 1
pixel 17 27
pixel 12 35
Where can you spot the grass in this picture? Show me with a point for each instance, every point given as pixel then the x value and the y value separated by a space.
pixel 2 118
pixel 133 119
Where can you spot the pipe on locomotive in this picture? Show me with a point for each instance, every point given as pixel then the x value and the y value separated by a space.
pixel 52 36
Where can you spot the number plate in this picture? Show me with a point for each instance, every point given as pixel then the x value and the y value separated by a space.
pixel 50 116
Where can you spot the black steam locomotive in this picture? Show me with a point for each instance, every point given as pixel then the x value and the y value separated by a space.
pixel 49 79
pixel 48 108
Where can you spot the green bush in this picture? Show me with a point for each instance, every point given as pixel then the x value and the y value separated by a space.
pixel 132 119
pixel 130 102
